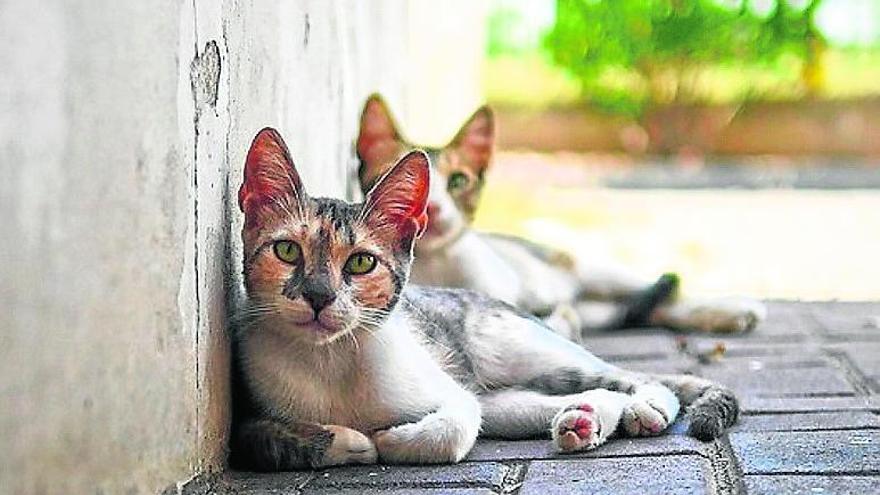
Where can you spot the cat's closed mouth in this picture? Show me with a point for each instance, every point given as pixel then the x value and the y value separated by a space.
pixel 317 327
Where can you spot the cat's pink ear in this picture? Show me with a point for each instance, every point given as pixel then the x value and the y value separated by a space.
pixel 378 141
pixel 270 178
pixel 398 201
pixel 476 138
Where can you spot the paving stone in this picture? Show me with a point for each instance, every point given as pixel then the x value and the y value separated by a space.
pixel 814 452
pixel 245 483
pixel 811 485
pixel 397 491
pixel 740 348
pixel 785 322
pixel 765 405
pixel 791 360
pixel 809 421
pixel 266 483
pixel 865 357
pixel 465 475
pixel 500 450
pixel 751 348
pixel 685 474
pixel 847 321
pixel 781 382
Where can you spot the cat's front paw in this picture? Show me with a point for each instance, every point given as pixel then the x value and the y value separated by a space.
pixel 577 427
pixel 431 441
pixel 644 418
pixel 348 447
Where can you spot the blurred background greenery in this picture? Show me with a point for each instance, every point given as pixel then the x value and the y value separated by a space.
pixel 624 56
pixel 733 141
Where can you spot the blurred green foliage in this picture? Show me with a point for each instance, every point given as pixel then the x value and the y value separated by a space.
pixel 630 55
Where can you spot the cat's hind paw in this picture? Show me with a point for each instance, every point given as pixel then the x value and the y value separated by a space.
pixel 736 315
pixel 577 428
pixel 643 418
pixel 724 315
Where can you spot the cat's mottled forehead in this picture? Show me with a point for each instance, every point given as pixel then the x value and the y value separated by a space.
pixel 324 219
pixel 338 218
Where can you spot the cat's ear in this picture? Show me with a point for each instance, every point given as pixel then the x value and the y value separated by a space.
pixel 476 139
pixel 270 177
pixel 396 204
pixel 378 142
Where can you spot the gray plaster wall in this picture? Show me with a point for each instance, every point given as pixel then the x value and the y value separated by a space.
pixel 123 130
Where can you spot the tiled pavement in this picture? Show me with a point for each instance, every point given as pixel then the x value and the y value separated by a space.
pixel 809 382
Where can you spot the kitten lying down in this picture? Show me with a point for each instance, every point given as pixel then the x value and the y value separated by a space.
pixel 571 291
pixel 349 364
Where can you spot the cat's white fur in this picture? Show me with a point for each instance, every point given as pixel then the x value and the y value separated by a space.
pixel 419 383
pixel 388 375
pixel 392 373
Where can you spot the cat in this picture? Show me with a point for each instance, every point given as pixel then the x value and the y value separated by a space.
pixel 348 363
pixel 572 293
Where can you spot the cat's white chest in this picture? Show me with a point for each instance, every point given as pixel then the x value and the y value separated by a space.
pixel 391 380
pixel 317 392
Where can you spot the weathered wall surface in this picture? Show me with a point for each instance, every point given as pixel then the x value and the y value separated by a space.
pixel 123 129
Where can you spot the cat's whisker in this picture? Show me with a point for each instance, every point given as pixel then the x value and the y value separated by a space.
pixel 376 312
pixel 374 318
pixel 377 320
pixel 372 329
pixel 251 315
pixel 354 340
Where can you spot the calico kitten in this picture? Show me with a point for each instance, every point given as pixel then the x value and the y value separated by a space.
pixel 347 363
pixel 568 291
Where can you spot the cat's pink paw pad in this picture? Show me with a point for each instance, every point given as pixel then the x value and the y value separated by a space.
pixel 576 428
pixel 643 419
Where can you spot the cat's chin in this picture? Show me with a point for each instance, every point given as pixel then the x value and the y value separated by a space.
pixel 319 330
pixel 319 333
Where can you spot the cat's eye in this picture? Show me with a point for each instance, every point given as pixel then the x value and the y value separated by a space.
pixel 457 181
pixel 287 251
pixel 360 263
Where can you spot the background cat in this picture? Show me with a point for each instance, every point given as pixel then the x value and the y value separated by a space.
pixel 347 363
pixel 569 290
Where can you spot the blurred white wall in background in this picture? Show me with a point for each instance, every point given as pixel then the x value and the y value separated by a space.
pixel 445 48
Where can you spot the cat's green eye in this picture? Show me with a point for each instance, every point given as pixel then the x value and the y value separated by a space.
pixel 360 263
pixel 287 251
pixel 457 181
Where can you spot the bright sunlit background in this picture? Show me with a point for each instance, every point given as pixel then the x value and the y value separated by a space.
pixel 735 142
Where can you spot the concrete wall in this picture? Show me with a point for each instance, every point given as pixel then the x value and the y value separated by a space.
pixel 123 130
